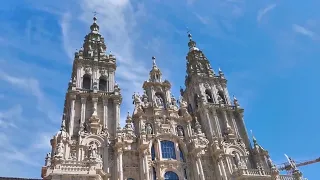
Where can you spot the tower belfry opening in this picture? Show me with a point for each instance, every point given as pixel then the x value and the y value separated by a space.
pixel 199 135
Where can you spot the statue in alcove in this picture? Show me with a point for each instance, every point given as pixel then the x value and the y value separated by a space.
pixel 93 151
pixel 148 129
pixel 209 98
pixel 159 100
pixel 59 150
pixel 180 131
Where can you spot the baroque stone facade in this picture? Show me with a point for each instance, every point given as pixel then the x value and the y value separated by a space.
pixel 199 136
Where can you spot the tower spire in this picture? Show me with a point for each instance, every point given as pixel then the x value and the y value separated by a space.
pixel 192 44
pixel 155 73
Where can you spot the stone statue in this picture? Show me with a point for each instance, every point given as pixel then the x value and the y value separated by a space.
pixel 237 159
pixel 148 129
pixel 159 101
pixel 59 150
pixel 93 151
pixel 209 98
pixel 180 131
pixel 183 104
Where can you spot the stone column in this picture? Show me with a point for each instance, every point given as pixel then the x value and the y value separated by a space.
pixel 222 168
pixel 217 123
pixel 83 109
pixel 71 119
pixel 212 133
pixel 120 166
pixel 105 113
pixel 117 111
pixel 146 165
pixel 200 169
pixel 236 130
pixel 95 106
pixel 79 78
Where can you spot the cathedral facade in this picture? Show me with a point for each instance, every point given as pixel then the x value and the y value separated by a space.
pixel 199 136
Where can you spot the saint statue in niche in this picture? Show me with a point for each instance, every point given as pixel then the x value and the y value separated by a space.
pixel 149 128
pixel 159 100
pixel 59 150
pixel 93 151
pixel 180 131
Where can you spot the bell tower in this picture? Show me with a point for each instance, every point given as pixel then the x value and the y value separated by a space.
pixel 91 115
pixel 220 117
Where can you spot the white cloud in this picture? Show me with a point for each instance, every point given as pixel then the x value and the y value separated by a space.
pixel 264 11
pixel 304 31
pixel 32 85
pixel 10 116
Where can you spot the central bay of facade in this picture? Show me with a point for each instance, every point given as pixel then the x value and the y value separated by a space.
pixel 199 136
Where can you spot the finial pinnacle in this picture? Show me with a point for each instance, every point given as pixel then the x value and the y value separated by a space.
pixel 95 16
pixel 154 61
pixel 189 34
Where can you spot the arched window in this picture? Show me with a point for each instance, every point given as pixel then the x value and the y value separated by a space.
pixel 153 153
pixel 130 179
pixel 168 149
pixel 86 82
pixel 209 96
pixel 102 84
pixel 171 176
pixel 221 95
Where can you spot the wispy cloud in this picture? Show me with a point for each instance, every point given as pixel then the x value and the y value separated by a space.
pixel 202 19
pixel 264 11
pixel 9 117
pixel 32 86
pixel 304 31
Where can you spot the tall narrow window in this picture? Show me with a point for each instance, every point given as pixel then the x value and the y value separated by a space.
pixel 185 174
pixel 168 150
pixel 171 176
pixel 153 153
pixel 86 82
pixel 181 155
pixel 102 84
pixel 154 173
pixel 209 96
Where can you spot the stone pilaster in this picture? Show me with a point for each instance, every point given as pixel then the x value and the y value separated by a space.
pixel 120 163
pixel 217 123
pixel 105 113
pixel 83 108
pixel 72 111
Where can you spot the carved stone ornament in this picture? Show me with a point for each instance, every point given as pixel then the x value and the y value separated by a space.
pixel 206 85
pixel 87 70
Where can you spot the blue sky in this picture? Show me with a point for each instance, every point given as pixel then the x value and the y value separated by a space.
pixel 268 50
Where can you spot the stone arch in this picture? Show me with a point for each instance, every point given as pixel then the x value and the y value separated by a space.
pixel 103 83
pixel 236 149
pixel 171 169
pixel 86 81
pixel 93 138
pixel 170 137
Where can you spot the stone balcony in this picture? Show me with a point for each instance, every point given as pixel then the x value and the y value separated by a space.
pixel 255 174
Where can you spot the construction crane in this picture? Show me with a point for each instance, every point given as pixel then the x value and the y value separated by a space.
pixel 291 165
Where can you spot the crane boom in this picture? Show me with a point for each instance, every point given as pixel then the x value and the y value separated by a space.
pixel 291 165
